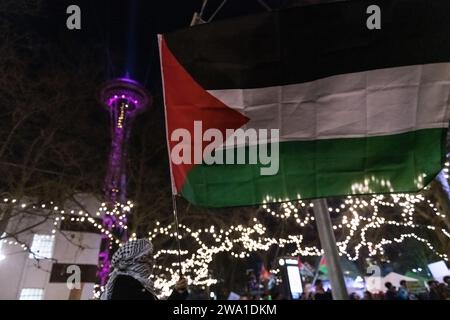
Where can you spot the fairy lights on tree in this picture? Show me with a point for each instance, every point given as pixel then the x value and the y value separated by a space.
pixel 365 226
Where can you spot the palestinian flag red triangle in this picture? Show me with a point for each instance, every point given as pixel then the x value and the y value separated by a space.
pixel 186 101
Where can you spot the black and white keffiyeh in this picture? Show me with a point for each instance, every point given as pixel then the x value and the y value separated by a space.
pixel 128 260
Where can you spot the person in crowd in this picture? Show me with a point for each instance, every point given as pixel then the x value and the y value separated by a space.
pixel 403 292
pixel 307 292
pixel 354 296
pixel 447 284
pixel 279 296
pixel 443 291
pixel 132 266
pixel 252 284
pixel 391 292
pixel 320 293
pixel 367 295
pixel 433 291
pixel 447 281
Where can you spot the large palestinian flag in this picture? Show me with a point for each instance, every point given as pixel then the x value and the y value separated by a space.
pixel 359 111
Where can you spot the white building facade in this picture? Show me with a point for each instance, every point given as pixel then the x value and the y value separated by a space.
pixel 51 256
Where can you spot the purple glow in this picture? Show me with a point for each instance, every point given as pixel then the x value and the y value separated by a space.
pixel 123 99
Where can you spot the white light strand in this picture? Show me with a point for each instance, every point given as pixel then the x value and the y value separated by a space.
pixel 240 241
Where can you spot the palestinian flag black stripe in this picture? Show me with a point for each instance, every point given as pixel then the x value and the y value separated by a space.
pixel 308 43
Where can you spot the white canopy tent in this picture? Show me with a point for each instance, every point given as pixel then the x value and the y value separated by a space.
pixel 376 284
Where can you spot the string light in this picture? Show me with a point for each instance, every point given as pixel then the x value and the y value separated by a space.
pixel 354 218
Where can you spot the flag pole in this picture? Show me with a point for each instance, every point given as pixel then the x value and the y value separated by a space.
pixel 177 230
pixel 316 274
pixel 196 19
pixel 328 243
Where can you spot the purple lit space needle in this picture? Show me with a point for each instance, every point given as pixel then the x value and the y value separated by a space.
pixel 124 99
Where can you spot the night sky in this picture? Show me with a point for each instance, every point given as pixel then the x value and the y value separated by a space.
pixel 118 38
pixel 126 29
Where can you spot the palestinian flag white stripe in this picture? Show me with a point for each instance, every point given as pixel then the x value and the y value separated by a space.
pixel 363 104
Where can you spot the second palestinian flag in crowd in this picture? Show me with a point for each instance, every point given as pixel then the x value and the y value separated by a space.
pixel 308 102
pixel 323 269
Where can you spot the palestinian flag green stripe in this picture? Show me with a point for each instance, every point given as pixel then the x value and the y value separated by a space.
pixel 324 168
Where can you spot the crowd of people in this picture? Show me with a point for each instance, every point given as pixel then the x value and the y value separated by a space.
pixel 435 291
pixel 133 264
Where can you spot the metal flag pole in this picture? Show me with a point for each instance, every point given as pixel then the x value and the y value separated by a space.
pixel 316 274
pixel 177 230
pixel 328 243
pixel 196 19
